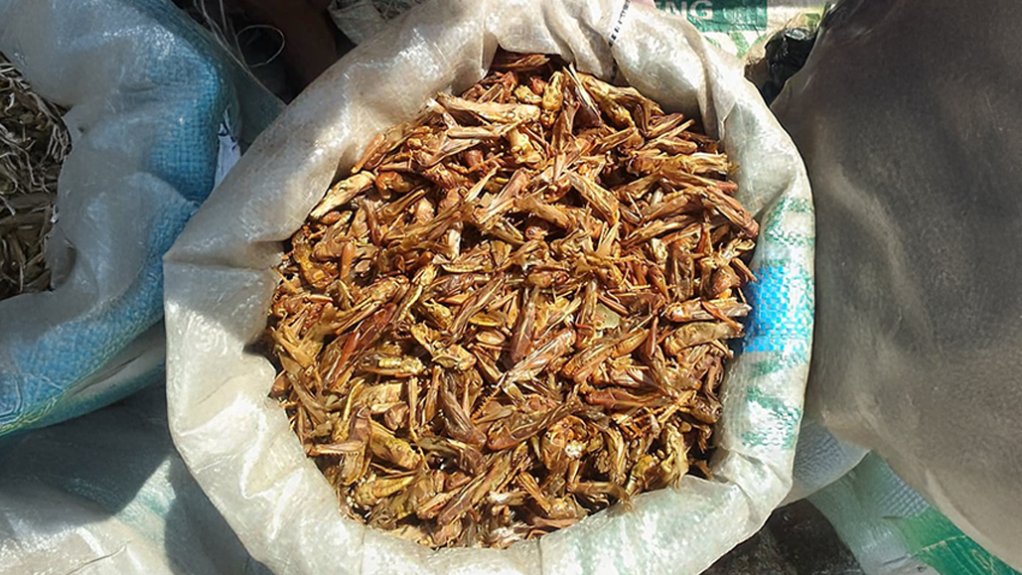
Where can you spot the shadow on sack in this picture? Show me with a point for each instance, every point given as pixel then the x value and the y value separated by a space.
pixel 906 115
pixel 109 492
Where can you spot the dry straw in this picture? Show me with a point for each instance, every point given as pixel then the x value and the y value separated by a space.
pixel 33 145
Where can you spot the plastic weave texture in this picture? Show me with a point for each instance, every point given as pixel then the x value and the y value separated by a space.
pixel 220 277
pixel 146 93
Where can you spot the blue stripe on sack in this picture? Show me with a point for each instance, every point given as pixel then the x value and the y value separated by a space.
pixel 779 328
pixel 782 312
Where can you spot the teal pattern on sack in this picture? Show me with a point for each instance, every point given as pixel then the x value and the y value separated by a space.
pixel 782 429
pixel 779 331
pixel 934 540
pixel 784 235
pixel 883 520
pixel 741 44
pixel 720 15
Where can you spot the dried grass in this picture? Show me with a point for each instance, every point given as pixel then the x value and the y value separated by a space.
pixel 33 145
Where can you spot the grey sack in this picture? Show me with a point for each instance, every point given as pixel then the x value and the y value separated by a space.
pixel 908 117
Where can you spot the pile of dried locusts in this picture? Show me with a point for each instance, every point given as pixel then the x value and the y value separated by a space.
pixel 511 314
pixel 33 145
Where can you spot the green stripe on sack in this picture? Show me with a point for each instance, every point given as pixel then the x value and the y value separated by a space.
pixel 794 240
pixel 776 231
pixel 779 362
pixel 933 539
pixel 782 430
pixel 720 15
pixel 740 43
pixel 789 205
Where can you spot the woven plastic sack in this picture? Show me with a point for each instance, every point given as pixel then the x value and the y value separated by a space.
pixel 107 493
pixel 892 530
pixel 148 95
pixel 220 276
pixel 742 27
pixel 739 27
pixel 907 116
pixel 360 19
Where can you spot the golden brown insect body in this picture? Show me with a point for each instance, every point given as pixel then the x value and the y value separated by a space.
pixel 511 313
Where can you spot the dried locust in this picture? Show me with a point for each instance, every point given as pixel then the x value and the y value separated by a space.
pixel 33 145
pixel 511 314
